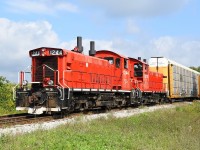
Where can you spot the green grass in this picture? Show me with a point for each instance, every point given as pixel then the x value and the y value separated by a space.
pixel 8 107
pixel 4 111
pixel 8 111
pixel 174 129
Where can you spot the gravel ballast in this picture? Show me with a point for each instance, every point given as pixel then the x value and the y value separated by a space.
pixel 28 128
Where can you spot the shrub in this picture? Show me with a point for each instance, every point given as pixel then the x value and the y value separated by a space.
pixel 6 101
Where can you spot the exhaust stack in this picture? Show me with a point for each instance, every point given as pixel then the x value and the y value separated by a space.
pixel 79 44
pixel 92 50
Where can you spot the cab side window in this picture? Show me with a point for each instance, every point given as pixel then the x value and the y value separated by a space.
pixel 138 70
pixel 117 62
pixel 110 60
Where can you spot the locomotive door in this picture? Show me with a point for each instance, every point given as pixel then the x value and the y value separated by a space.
pixel 125 75
pixel 118 74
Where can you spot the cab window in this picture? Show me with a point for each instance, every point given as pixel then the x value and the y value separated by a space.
pixel 138 70
pixel 117 62
pixel 110 60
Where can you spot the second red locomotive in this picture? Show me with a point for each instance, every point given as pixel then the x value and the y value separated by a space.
pixel 67 80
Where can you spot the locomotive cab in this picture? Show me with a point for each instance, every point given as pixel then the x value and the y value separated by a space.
pixel 120 69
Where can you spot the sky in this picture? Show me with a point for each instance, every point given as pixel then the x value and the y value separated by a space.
pixel 144 28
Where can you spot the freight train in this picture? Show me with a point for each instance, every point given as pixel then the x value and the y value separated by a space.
pixel 64 81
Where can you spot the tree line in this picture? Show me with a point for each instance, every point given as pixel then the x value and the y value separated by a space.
pixel 6 94
pixel 196 68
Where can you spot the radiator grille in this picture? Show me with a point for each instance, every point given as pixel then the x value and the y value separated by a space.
pixel 52 62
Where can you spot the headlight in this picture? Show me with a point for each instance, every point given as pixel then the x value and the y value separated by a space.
pixel 46 89
pixel 25 83
pixel 50 82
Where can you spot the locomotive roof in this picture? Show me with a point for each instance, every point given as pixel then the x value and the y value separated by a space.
pixel 138 60
pixel 108 51
pixel 111 52
pixel 46 47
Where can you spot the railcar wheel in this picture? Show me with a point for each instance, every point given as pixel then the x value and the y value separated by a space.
pixel 161 101
pixel 168 100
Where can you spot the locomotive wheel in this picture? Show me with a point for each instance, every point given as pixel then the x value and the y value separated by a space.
pixel 105 108
pixel 59 115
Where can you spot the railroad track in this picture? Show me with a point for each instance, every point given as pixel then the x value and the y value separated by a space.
pixel 19 119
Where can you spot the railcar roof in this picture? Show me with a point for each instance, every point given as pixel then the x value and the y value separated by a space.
pixel 177 64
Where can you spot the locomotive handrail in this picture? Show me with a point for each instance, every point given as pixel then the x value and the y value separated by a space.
pixel 14 91
pixel 25 71
pixel 19 80
pixel 66 84
pixel 48 67
pixel 63 88
pixel 62 97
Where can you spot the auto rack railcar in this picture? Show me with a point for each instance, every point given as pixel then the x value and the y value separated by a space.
pixel 182 82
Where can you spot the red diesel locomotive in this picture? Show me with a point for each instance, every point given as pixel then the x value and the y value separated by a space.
pixel 67 80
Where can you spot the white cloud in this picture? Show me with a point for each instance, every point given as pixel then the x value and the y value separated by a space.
pixel 186 52
pixel 121 8
pixel 40 6
pixel 17 38
pixel 164 45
